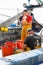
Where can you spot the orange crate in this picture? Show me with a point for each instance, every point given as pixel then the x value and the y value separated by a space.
pixel 20 41
pixel 20 45
pixel 11 44
pixel 7 50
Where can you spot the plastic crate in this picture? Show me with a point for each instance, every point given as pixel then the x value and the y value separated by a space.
pixel 7 50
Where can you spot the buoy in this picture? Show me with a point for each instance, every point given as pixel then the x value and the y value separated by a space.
pixel 5 29
pixel 2 28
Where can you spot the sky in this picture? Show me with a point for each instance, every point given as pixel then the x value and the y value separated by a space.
pixel 10 7
pixel 14 4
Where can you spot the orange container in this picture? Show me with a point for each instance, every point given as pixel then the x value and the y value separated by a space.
pixel 8 43
pixel 20 41
pixel 11 44
pixel 15 44
pixel 20 45
pixel 7 51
